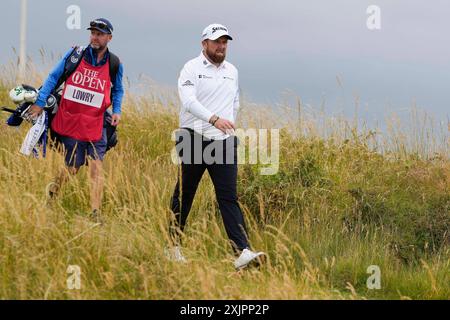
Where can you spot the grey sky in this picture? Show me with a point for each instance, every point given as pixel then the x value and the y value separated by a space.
pixel 300 46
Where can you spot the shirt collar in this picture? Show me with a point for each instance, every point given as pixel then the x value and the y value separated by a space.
pixel 91 57
pixel 206 63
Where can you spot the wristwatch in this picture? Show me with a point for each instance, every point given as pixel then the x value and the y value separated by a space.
pixel 215 120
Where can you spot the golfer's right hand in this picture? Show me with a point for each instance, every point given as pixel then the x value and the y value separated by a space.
pixel 34 111
pixel 225 126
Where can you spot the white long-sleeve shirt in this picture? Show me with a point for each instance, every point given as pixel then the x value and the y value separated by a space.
pixel 206 90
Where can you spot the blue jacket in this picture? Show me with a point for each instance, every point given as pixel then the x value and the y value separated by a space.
pixel 91 57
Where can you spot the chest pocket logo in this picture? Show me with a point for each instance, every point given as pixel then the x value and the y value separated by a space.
pixel 229 83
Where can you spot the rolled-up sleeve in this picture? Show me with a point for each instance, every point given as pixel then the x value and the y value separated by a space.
pixel 187 89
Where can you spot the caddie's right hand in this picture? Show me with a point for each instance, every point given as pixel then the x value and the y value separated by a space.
pixel 34 111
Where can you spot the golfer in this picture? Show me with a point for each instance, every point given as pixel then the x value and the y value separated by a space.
pixel 209 93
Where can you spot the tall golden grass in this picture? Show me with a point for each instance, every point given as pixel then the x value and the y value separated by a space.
pixel 346 197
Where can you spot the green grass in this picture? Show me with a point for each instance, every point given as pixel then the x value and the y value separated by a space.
pixel 340 202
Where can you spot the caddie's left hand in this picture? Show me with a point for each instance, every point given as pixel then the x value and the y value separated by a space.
pixel 115 119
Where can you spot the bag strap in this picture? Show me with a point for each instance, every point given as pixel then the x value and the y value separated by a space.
pixel 72 63
pixel 114 63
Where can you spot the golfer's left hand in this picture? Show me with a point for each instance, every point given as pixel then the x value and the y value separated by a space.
pixel 115 119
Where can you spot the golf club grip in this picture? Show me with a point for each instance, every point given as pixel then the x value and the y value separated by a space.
pixel 8 110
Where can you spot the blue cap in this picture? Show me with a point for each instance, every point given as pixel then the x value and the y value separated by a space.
pixel 102 25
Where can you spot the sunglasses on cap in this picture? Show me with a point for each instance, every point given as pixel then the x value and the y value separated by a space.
pixel 101 25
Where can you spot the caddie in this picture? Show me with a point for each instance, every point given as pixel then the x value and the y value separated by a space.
pixel 93 86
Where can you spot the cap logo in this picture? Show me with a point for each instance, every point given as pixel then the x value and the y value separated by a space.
pixel 214 29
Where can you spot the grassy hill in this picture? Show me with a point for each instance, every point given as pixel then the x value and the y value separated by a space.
pixel 342 200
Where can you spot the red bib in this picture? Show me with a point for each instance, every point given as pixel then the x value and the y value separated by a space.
pixel 85 98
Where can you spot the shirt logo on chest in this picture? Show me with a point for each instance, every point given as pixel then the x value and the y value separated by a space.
pixel 187 83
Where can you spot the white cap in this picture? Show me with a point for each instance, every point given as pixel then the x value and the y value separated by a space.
pixel 215 31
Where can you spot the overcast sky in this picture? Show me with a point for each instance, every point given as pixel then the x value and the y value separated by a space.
pixel 285 45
